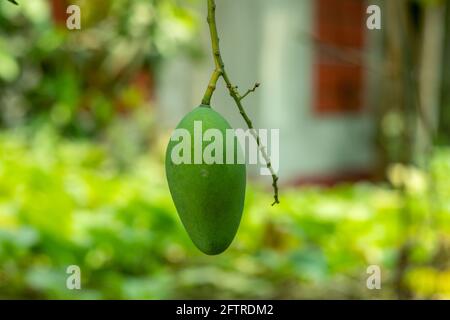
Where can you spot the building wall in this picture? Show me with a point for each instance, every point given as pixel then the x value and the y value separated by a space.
pixel 269 41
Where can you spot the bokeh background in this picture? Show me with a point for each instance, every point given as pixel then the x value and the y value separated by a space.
pixel 364 115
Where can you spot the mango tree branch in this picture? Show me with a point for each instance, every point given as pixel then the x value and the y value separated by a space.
pixel 233 90
pixel 256 86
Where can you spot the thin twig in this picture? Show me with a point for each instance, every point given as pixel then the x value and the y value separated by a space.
pixel 233 90
pixel 256 86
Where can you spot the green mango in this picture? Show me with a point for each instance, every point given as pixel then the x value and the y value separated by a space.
pixel 209 197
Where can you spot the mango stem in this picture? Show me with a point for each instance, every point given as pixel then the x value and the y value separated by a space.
pixel 219 72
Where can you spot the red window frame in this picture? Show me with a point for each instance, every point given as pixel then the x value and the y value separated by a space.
pixel 339 67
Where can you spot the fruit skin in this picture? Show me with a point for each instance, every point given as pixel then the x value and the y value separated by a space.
pixel 209 197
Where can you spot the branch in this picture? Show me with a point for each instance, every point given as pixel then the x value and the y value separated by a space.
pixel 256 86
pixel 233 90
pixel 13 1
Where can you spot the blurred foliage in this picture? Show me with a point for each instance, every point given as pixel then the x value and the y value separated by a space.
pixel 68 202
pixel 105 205
pixel 81 81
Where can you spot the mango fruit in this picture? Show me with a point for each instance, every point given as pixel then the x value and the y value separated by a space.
pixel 209 197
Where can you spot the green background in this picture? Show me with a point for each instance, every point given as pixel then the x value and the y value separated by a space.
pixel 82 182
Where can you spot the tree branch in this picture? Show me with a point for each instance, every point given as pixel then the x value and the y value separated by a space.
pixel 256 86
pixel 234 93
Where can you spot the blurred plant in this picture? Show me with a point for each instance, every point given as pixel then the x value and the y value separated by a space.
pixel 80 80
pixel 65 202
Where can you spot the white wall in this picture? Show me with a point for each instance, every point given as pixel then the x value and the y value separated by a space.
pixel 264 40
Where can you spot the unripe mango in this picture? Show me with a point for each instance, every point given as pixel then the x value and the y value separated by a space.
pixel 210 197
